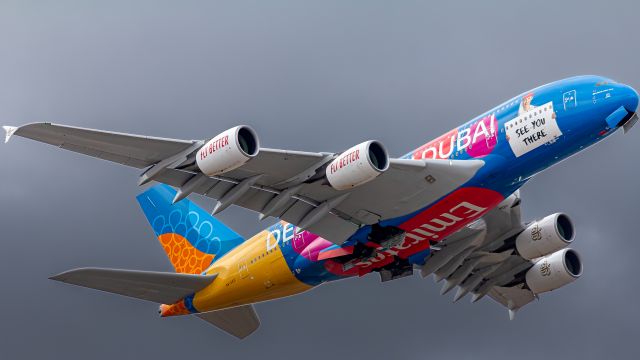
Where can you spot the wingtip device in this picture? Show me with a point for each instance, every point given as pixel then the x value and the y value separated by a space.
pixel 9 130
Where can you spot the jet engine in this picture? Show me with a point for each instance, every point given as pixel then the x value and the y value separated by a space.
pixel 545 236
pixel 358 165
pixel 554 271
pixel 228 150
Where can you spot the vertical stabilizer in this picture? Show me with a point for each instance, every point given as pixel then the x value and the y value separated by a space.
pixel 191 237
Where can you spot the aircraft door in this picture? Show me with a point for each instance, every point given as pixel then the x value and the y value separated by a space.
pixel 243 269
pixel 299 241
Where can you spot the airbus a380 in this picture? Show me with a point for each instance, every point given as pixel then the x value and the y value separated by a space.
pixel 450 207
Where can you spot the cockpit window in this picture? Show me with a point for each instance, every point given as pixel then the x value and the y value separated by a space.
pixel 605 81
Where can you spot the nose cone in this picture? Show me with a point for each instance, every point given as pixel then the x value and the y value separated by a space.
pixel 629 98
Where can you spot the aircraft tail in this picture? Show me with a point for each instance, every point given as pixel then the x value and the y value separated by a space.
pixel 190 236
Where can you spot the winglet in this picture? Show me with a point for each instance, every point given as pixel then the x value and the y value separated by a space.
pixel 10 130
pixel 512 314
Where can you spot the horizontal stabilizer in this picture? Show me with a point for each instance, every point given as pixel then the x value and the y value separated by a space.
pixel 159 287
pixel 239 321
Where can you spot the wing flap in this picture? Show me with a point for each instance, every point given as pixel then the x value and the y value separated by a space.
pixel 281 168
pixel 407 186
pixel 513 298
pixel 239 321
pixel 158 287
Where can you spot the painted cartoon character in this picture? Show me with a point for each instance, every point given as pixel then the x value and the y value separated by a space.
pixel 525 105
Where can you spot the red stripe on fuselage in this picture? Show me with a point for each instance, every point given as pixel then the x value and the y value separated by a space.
pixel 435 223
pixel 445 217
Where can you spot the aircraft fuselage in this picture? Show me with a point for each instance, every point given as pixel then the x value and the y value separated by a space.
pixel 515 140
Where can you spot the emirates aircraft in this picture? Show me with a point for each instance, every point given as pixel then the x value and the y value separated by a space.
pixel 450 208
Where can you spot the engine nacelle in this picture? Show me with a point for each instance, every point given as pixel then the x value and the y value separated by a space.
pixel 228 150
pixel 554 271
pixel 545 236
pixel 358 165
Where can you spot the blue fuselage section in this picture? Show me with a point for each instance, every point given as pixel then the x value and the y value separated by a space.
pixel 516 140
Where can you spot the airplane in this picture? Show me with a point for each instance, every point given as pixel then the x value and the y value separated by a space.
pixel 450 208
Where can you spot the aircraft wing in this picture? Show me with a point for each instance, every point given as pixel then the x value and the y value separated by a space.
pixel 131 150
pixel 286 184
pixel 478 261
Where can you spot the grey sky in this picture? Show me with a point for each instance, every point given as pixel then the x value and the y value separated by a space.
pixel 317 76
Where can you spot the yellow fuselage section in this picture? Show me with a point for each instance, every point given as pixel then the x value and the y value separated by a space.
pixel 248 274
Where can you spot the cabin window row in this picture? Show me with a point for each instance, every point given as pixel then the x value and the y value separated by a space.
pixel 255 259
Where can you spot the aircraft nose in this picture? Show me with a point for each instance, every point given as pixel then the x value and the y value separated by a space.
pixel 626 103
pixel 629 98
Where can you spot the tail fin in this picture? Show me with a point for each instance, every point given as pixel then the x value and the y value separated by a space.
pixel 190 236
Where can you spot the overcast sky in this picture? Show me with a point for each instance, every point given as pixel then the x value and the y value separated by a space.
pixel 318 76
